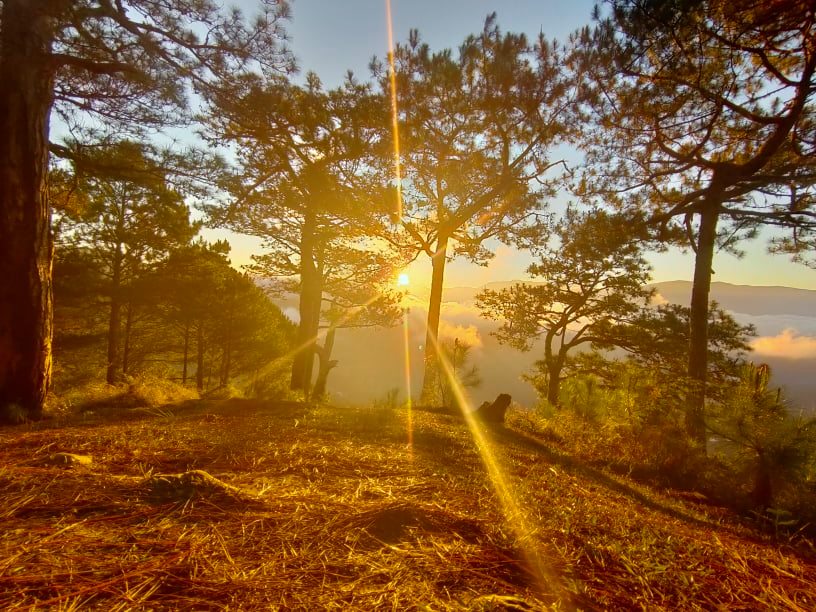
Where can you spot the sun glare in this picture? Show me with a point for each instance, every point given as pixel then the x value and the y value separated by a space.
pixel 392 79
pixel 409 424
pixel 279 361
pixel 515 516
pixel 403 280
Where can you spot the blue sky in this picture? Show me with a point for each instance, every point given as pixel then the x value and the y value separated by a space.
pixel 330 37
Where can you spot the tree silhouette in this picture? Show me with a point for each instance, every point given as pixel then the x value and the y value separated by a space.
pixel 476 131
pixel 304 185
pixel 705 118
pixel 656 345
pixel 593 281
pixel 220 315
pixel 131 219
pixel 128 65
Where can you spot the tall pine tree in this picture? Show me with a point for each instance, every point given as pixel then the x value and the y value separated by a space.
pixel 476 134
pixel 706 119
pixel 130 65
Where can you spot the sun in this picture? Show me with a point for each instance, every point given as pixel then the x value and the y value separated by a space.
pixel 403 280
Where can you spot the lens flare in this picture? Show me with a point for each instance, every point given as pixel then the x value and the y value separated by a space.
pixel 514 515
pixel 392 78
pixel 409 424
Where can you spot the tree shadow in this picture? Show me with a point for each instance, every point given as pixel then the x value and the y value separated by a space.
pixel 110 412
pixel 505 436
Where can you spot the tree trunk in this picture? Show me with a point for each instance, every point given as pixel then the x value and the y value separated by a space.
pixel 186 354
pixel 553 383
pixel 763 486
pixel 26 94
pixel 127 340
pixel 200 358
pixel 311 293
pixel 225 366
pixel 326 364
pixel 226 355
pixel 698 332
pixel 127 343
pixel 315 301
pixel 226 362
pixel 114 321
pixel 432 369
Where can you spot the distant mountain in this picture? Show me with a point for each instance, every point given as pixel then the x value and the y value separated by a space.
pixel 467 295
pixel 785 319
pixel 747 299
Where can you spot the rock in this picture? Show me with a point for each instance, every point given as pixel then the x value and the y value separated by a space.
pixel 495 412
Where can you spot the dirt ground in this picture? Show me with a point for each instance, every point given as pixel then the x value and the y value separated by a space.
pixel 241 505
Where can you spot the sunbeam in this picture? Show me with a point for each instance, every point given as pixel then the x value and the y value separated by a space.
pixel 275 363
pixel 407 361
pixel 392 77
pixel 514 515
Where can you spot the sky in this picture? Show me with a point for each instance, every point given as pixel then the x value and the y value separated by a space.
pixel 330 37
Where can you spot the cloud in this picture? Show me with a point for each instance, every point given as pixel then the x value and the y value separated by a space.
pixel 466 334
pixel 506 262
pixel 788 344
pixel 461 312
pixel 773 325
pixel 292 314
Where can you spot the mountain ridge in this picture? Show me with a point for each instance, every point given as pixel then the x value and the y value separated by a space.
pixel 746 299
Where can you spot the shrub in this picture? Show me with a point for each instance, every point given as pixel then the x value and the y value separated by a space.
pixel 272 383
pixel 457 358
pixel 150 391
pixel 757 435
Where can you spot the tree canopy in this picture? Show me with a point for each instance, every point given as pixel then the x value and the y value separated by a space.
pixel 476 130
pixel 128 66
pixel 304 183
pixel 704 116
pixel 592 283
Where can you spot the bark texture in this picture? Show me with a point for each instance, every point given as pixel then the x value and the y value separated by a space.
pixel 311 294
pixel 698 332
pixel 438 262
pixel 114 368
pixel 327 364
pixel 26 86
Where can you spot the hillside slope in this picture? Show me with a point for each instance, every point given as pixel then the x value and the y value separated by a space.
pixel 327 508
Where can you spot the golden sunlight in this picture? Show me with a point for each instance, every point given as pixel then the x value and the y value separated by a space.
pixel 514 514
pixel 403 280
pixel 409 425
pixel 394 116
pixel 308 344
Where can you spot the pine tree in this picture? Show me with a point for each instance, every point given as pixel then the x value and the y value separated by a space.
pixel 476 131
pixel 125 65
pixel 304 185
pixel 705 118
pixel 592 281
pixel 131 220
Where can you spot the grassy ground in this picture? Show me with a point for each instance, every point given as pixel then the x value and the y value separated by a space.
pixel 328 508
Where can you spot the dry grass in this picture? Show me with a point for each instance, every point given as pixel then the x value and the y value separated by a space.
pixel 326 508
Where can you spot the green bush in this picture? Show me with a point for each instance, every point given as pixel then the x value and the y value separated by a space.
pixel 770 450
pixel 272 383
